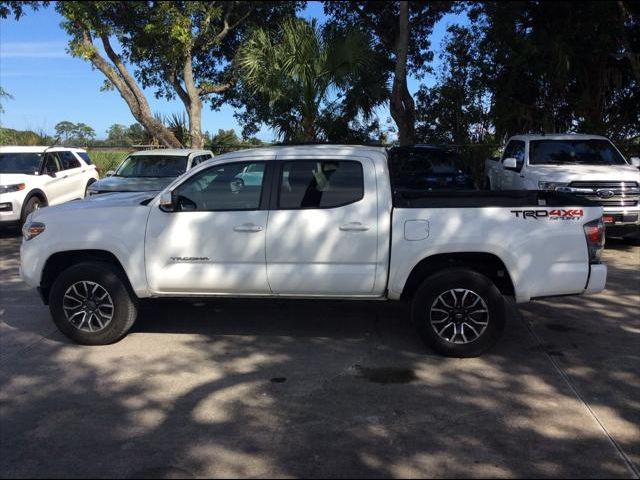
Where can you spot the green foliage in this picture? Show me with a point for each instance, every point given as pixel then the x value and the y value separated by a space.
pixel 179 125
pixel 17 8
pixel 288 76
pixel 456 109
pixel 106 159
pixel 9 136
pixel 561 66
pixel 74 132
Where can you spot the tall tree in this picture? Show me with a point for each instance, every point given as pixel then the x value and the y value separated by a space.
pixel 183 49
pixel 456 109
pixel 402 30
pixel 65 129
pixel 290 76
pixel 561 66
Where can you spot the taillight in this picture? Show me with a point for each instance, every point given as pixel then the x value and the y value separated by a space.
pixel 594 232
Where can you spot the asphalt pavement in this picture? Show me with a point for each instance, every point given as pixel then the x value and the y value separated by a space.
pixel 283 388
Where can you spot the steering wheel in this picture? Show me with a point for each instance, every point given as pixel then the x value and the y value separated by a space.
pixel 185 203
pixel 236 185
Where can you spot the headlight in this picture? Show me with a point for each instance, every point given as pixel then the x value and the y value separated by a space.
pixel 551 185
pixel 32 229
pixel 12 188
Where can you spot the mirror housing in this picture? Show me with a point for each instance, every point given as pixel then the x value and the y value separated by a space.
pixel 635 161
pixel 510 163
pixel 109 173
pixel 166 202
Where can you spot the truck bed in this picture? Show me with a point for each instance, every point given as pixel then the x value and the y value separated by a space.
pixel 537 236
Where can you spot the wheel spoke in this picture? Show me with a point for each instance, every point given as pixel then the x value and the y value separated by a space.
pixel 88 306
pixel 455 332
pixel 464 337
pixel 475 332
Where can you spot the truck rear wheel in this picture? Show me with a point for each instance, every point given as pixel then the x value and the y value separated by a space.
pixel 459 312
pixel 91 304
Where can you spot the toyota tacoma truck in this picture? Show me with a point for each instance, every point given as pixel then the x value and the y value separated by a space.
pixel 588 166
pixel 322 222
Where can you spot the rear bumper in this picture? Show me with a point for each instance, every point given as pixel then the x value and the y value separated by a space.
pixel 622 229
pixel 597 279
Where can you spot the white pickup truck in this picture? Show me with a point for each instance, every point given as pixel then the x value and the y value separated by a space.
pixel 313 222
pixel 589 166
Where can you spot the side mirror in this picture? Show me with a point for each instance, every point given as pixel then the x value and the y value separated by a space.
pixel 510 164
pixel 109 173
pixel 635 161
pixel 166 202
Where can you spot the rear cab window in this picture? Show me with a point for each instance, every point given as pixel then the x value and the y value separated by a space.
pixel 425 169
pixel 306 184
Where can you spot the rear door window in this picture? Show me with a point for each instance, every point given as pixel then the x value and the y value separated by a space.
pixel 69 160
pixel 320 184
pixel 52 163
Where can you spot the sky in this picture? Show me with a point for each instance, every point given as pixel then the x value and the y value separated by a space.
pixel 49 86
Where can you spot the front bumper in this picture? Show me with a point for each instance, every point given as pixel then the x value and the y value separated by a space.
pixel 621 223
pixel 10 208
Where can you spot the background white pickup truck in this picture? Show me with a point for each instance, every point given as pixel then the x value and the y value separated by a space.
pixel 314 221
pixel 589 166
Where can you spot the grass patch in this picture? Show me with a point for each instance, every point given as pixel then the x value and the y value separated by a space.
pixel 106 160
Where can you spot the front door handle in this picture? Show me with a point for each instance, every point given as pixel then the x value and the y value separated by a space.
pixel 354 227
pixel 248 227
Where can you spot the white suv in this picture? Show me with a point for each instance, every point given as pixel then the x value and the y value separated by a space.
pixel 34 177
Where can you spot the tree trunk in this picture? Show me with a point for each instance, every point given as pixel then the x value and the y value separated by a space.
pixel 402 106
pixel 195 123
pixel 126 85
pixel 193 103
pixel 308 129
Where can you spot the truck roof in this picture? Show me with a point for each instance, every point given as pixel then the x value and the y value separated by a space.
pixel 305 150
pixel 178 152
pixel 559 136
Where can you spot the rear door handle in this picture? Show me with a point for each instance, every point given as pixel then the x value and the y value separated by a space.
pixel 354 227
pixel 248 227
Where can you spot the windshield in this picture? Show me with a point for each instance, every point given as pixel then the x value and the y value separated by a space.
pixel 27 163
pixel 152 166
pixel 574 152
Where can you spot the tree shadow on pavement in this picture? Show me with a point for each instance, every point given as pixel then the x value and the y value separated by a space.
pixel 189 393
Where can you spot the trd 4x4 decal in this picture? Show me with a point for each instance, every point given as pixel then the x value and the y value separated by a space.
pixel 570 214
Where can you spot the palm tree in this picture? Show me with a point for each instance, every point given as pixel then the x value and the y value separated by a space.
pixel 298 66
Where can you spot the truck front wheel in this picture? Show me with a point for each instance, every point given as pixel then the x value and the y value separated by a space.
pixel 459 312
pixel 91 304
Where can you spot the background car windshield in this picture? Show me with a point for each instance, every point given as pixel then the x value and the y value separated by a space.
pixel 28 163
pixel 574 152
pixel 152 166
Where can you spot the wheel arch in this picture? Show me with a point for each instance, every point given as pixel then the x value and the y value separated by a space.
pixel 60 261
pixel 487 264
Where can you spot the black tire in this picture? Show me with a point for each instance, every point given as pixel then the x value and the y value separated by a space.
pixel 449 283
pixel 32 204
pixel 124 309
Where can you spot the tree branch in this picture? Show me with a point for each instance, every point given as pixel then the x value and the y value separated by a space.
pixel 208 88
pixel 227 28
